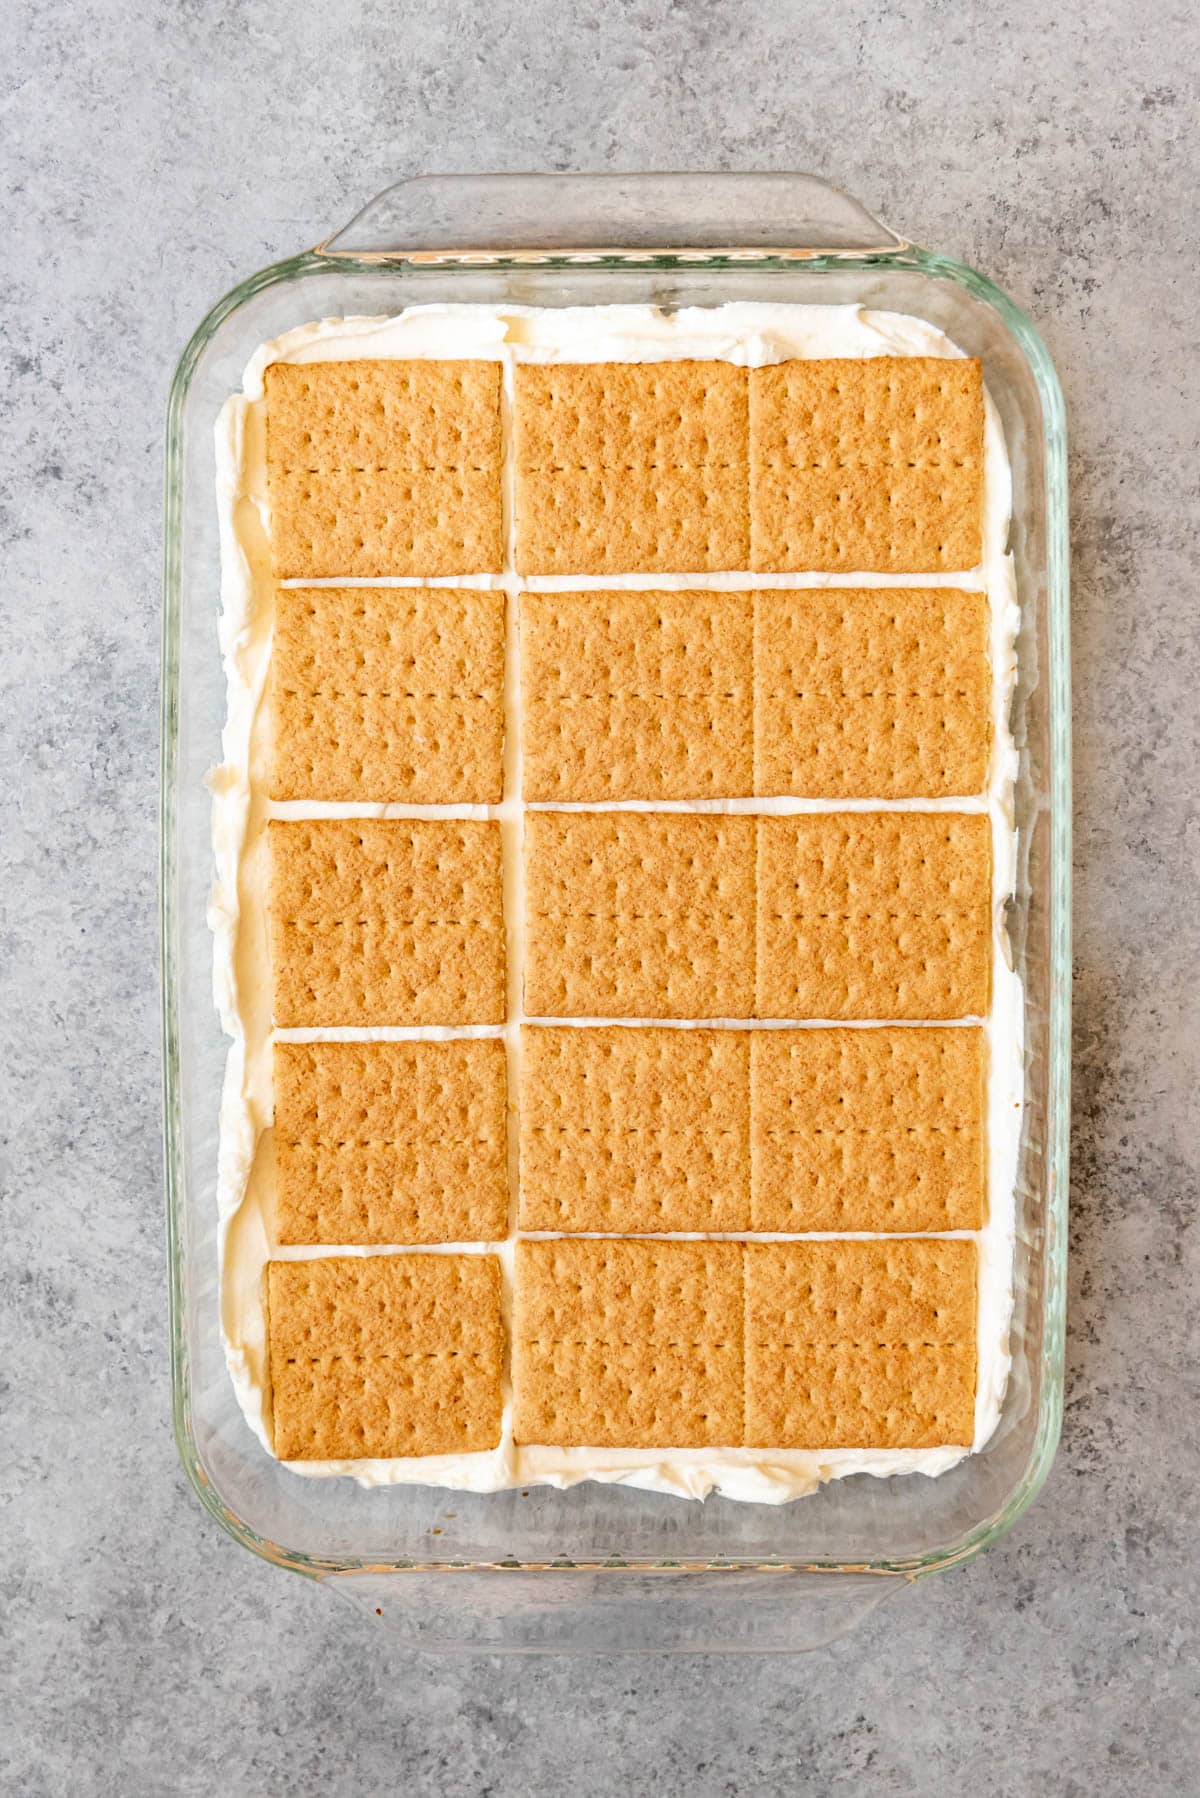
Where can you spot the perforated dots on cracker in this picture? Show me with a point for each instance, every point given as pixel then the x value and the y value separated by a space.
pixel 628 1344
pixel 861 1344
pixel 629 695
pixel 816 1345
pixel 871 693
pixel 384 468
pixel 382 1355
pixel 874 915
pixel 872 464
pixel 390 1142
pixel 387 694
pixel 386 921
pixel 635 1130
pixel 630 466
pixel 662 1130
pixel 639 915
pixel 841 693
pixel 867 1129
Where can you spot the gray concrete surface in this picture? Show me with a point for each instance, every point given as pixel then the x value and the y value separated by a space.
pixel 155 151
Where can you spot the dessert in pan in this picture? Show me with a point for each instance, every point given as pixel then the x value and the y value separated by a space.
pixel 612 846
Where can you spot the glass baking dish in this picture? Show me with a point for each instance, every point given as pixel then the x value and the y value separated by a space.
pixel 602 1567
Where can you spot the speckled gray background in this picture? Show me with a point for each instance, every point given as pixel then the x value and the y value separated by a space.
pixel 154 153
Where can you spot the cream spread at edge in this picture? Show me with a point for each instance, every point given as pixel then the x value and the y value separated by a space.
pixel 746 333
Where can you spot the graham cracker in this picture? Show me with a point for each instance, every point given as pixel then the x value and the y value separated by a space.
pixel 626 467
pixel 639 914
pixel 874 915
pixel 637 695
pixel 877 1130
pixel 390 1142
pixel 382 1355
pixel 869 464
pixel 635 1130
pixel 384 468
pixel 628 1344
pixel 861 1344
pixel 871 693
pixel 388 694
pixel 386 921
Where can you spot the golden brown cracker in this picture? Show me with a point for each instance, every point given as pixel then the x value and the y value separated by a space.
pixel 635 1130
pixel 639 914
pixel 388 694
pixel 386 921
pixel 624 467
pixel 861 1344
pixel 631 695
pixel 378 468
pixel 387 1142
pixel 872 464
pixel 871 693
pixel 874 915
pixel 867 1129
pixel 382 1355
pixel 628 1344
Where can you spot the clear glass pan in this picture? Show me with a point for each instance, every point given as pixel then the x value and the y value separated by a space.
pixel 602 1567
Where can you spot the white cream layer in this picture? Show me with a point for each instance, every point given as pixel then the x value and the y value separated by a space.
pixel 749 334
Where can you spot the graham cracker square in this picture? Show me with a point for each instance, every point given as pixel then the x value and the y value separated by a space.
pixel 388 694
pixel 384 468
pixel 871 693
pixel 390 1142
pixel 870 464
pixel 874 915
pixel 386 921
pixel 627 467
pixel 628 1344
pixel 382 1355
pixel 639 914
pixel 861 1344
pixel 869 1129
pixel 637 695
pixel 635 1129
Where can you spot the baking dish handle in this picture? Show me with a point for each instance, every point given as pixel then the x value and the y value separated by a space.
pixel 614 1610
pixel 454 217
